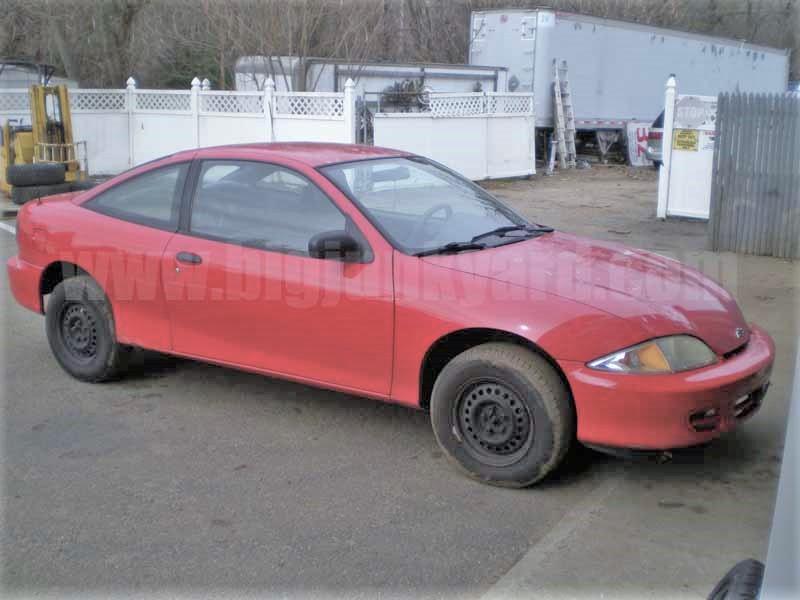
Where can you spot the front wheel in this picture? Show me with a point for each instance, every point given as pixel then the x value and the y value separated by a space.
pixel 80 330
pixel 503 414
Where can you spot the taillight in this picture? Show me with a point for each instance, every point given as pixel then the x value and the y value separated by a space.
pixel 654 135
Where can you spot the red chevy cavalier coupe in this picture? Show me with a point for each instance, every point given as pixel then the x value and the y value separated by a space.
pixel 384 274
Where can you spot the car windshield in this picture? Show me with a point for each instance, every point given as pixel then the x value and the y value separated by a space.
pixel 422 207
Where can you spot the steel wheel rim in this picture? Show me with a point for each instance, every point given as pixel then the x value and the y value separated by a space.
pixel 79 331
pixel 495 425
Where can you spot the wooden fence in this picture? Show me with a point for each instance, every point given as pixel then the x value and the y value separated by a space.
pixel 755 190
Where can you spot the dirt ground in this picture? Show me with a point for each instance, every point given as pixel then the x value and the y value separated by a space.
pixel 608 202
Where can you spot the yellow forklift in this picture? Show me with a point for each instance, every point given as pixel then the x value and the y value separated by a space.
pixel 42 158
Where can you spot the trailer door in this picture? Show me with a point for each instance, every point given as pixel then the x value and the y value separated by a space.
pixel 505 39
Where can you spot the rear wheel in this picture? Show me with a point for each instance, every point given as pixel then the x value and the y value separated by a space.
pixel 80 329
pixel 503 414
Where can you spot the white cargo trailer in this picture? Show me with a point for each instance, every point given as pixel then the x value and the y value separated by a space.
pixel 617 69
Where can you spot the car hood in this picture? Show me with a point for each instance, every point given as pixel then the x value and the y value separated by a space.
pixel 658 295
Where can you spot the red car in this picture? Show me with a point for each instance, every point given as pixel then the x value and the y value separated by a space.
pixel 384 274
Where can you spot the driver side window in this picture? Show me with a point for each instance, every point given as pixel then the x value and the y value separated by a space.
pixel 261 205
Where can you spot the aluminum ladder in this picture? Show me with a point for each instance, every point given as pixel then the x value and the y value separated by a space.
pixel 564 116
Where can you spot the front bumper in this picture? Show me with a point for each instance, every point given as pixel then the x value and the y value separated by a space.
pixel 655 412
pixel 25 279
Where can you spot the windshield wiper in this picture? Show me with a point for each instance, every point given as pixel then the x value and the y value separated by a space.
pixel 501 231
pixel 451 247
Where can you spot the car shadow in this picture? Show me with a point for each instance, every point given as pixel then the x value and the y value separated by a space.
pixel 248 388
pixel 147 364
pixel 738 458
pixel 723 461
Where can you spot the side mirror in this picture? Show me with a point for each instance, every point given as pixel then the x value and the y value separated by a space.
pixel 335 245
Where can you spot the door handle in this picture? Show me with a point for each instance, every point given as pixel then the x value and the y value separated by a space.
pixel 189 258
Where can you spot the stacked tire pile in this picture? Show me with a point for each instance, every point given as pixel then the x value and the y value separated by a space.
pixel 36 180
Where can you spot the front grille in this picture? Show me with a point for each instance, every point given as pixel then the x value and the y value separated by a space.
pixel 745 406
pixel 704 420
pixel 735 351
pixel 710 419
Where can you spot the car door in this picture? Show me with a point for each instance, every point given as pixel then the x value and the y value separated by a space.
pixel 121 244
pixel 242 289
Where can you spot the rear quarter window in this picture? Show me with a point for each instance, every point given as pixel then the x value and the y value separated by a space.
pixel 152 198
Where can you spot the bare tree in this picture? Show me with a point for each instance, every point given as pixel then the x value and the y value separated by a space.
pixel 167 42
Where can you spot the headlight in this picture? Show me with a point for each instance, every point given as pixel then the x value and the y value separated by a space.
pixel 663 355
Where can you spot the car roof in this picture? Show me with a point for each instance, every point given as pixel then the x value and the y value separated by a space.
pixel 311 153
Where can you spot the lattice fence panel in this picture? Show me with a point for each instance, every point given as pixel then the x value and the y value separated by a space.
pixel 98 100
pixel 162 101
pixel 222 102
pixel 14 101
pixel 454 105
pixel 314 104
pixel 509 104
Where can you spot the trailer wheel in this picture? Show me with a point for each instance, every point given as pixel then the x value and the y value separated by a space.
pixel 35 174
pixel 22 194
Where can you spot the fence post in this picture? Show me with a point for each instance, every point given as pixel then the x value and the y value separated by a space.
pixel 532 131
pixel 486 149
pixel 194 104
pixel 349 111
pixel 130 87
pixel 666 148
pixel 269 104
pixel 205 85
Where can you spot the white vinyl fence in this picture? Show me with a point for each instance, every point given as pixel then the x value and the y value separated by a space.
pixel 684 180
pixel 125 128
pixel 481 135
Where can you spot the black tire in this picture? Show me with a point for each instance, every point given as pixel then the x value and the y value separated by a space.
pixel 35 174
pixel 742 582
pixel 521 410
pixel 23 194
pixel 80 186
pixel 80 329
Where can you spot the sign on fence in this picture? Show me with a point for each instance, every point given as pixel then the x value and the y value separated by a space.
pixel 686 139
